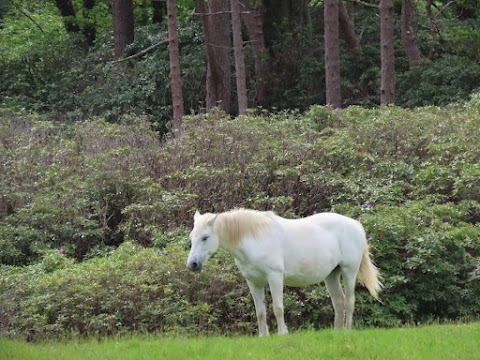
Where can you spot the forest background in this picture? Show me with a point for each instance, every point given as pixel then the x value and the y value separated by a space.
pixel 97 191
pixel 57 58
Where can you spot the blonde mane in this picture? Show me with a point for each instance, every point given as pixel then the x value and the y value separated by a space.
pixel 232 226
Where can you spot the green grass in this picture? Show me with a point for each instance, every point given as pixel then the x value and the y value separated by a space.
pixel 429 342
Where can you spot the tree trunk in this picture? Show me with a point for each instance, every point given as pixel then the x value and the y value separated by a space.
pixel 240 74
pixel 123 26
pixel 89 29
pixel 332 53
pixel 408 36
pixel 253 24
pixel 347 27
pixel 387 55
pixel 68 14
pixel 216 33
pixel 175 76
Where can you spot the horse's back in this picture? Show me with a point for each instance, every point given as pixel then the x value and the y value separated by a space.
pixel 349 233
pixel 315 245
pixel 325 224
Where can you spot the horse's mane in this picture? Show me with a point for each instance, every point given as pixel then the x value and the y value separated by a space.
pixel 232 226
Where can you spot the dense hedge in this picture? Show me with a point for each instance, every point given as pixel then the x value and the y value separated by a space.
pixel 94 217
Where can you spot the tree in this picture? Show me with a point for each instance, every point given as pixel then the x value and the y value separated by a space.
pixel 72 21
pixel 387 55
pixel 240 74
pixel 68 14
pixel 252 19
pixel 175 76
pixel 408 35
pixel 215 21
pixel 123 25
pixel 347 27
pixel 332 53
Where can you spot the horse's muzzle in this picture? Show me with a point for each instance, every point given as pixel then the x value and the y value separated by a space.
pixel 195 265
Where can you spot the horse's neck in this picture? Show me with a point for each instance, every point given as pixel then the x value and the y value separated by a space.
pixel 239 254
pixel 227 245
pixel 245 252
pixel 238 251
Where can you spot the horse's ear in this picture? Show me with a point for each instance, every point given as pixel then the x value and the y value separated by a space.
pixel 197 214
pixel 210 222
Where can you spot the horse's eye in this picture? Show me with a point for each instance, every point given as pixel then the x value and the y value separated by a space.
pixel 205 238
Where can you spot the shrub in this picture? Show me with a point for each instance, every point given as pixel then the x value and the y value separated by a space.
pixel 137 289
pixel 68 82
pixel 446 80
pixel 427 254
pixel 408 175
pixel 133 289
pixel 69 188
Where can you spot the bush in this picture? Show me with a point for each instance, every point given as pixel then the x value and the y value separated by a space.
pixel 410 176
pixel 68 82
pixel 427 254
pixel 132 290
pixel 140 290
pixel 68 188
pixel 446 80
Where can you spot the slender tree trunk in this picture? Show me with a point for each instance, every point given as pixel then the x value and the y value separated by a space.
pixel 123 25
pixel 89 29
pixel 240 74
pixel 408 36
pixel 175 76
pixel 387 55
pixel 332 53
pixel 216 33
pixel 68 14
pixel 253 24
pixel 347 27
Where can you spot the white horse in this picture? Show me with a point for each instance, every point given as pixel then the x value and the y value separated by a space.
pixel 278 251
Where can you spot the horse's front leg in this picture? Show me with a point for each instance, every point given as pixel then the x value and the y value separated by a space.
pixel 275 281
pixel 258 294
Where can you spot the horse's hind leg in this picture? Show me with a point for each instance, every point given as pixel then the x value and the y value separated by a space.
pixel 349 280
pixel 335 290
pixel 258 294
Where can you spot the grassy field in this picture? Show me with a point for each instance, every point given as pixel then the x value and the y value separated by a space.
pixel 430 342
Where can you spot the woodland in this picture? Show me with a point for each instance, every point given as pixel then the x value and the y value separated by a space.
pixel 119 119
pixel 71 60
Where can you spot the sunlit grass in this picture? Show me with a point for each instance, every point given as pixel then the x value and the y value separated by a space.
pixel 430 342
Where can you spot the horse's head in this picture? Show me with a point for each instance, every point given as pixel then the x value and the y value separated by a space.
pixel 204 240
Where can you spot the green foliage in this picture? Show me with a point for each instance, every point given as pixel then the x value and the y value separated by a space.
pixel 22 34
pixel 448 79
pixel 409 241
pixel 133 289
pixel 79 83
pixel 95 191
pixel 68 189
pixel 78 200
pixel 53 73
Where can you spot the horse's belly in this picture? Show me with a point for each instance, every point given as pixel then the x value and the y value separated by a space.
pixel 252 272
pixel 310 264
pixel 307 277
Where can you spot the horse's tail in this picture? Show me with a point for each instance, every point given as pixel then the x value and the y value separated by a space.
pixel 369 275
